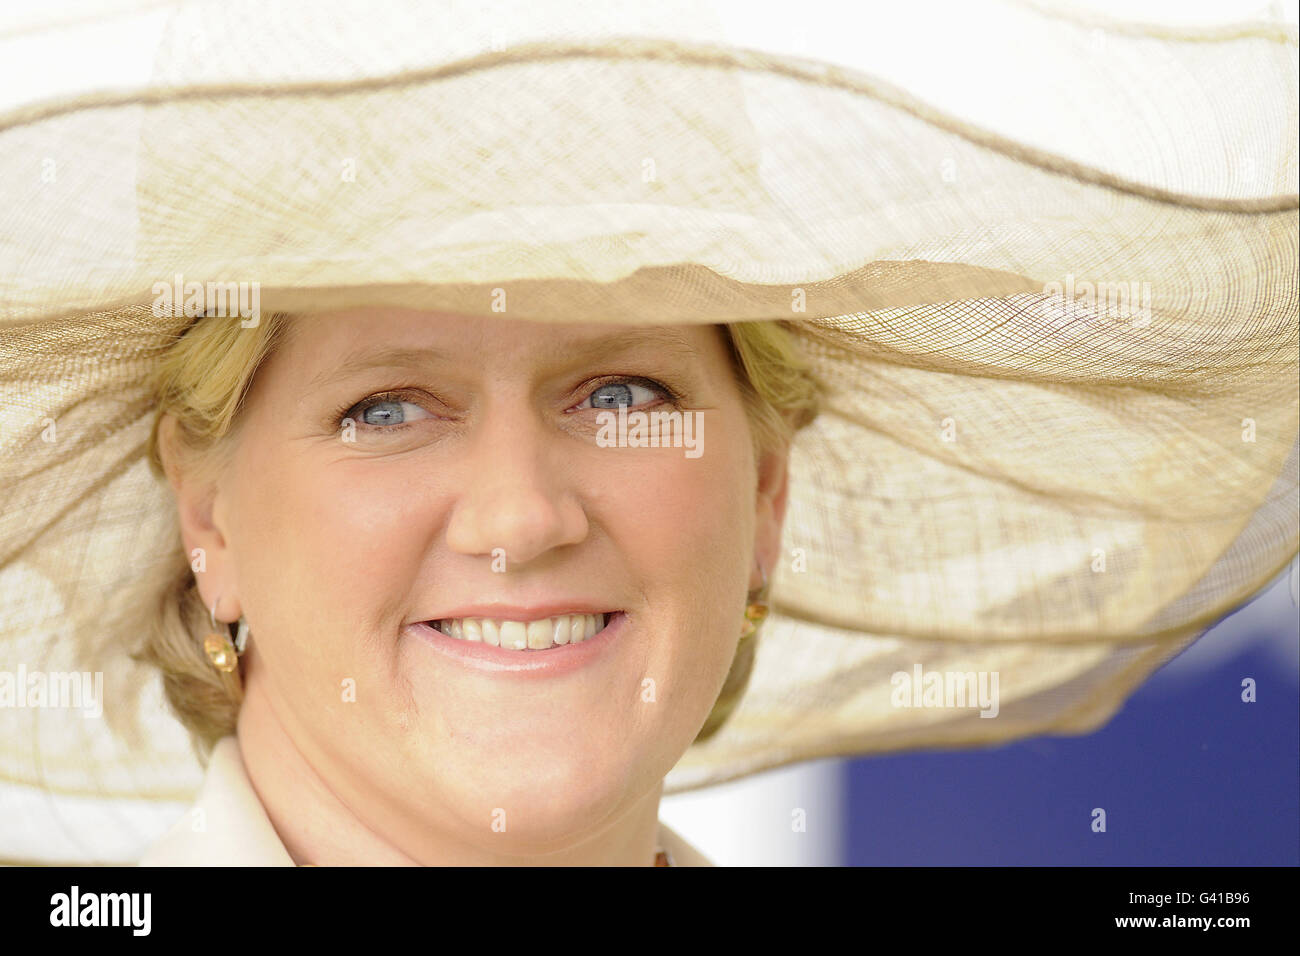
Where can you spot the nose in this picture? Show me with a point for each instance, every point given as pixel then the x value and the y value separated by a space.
pixel 517 489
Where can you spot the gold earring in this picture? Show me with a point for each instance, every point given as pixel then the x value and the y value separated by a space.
pixel 756 610
pixel 219 647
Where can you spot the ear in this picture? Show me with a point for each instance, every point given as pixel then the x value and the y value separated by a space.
pixel 198 511
pixel 773 485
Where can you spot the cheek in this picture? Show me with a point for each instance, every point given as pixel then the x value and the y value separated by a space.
pixel 323 549
pixel 686 534
pixel 341 531
pixel 708 502
pixel 682 513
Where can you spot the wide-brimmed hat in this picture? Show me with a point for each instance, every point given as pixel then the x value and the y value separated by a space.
pixel 1044 263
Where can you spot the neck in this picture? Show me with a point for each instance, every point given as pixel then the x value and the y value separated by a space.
pixel 319 828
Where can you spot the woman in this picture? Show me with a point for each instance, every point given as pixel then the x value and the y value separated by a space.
pixel 470 490
pixel 981 356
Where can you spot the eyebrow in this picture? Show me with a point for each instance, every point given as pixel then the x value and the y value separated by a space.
pixel 667 339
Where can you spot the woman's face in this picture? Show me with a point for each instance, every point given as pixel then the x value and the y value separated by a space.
pixel 477 489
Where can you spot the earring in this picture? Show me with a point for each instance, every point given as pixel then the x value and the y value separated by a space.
pixel 221 651
pixel 756 610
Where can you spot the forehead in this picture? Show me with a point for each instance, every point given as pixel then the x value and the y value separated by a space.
pixel 334 344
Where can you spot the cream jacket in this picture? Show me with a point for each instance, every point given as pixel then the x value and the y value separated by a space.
pixel 227 825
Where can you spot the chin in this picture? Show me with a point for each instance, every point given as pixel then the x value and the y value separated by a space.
pixel 539 804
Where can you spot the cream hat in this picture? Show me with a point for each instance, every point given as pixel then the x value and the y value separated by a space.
pixel 1049 276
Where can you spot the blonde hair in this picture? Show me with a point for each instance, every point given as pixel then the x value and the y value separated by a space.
pixel 202 382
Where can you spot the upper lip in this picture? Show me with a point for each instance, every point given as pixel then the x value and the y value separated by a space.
pixel 520 612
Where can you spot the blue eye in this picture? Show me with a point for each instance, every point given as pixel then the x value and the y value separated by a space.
pixel 381 412
pixel 614 394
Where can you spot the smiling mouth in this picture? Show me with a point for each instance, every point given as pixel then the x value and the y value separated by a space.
pixel 539 635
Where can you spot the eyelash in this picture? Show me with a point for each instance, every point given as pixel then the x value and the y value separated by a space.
pixel 400 395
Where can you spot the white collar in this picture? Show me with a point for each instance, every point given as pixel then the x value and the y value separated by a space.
pixel 226 826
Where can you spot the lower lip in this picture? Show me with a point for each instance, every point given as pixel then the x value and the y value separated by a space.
pixel 552 662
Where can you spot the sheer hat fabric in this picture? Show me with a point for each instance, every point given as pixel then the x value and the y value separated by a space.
pixel 1048 278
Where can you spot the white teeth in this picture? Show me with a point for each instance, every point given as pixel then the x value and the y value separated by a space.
pixel 540 634
pixel 525 635
pixel 514 635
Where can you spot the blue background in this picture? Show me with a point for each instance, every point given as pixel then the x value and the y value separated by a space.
pixel 1188 774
